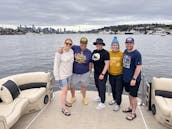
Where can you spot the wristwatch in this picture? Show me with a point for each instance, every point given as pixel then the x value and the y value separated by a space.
pixel 133 78
pixel 102 74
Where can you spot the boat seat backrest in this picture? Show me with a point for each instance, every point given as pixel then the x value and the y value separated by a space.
pixel 28 78
pixel 162 84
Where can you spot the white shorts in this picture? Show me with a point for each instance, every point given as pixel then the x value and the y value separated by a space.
pixel 79 80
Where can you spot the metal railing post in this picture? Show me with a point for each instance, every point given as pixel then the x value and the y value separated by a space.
pixel 142 93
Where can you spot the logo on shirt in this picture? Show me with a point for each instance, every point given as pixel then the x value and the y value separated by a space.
pixel 80 58
pixel 96 56
pixel 126 61
pixel 115 61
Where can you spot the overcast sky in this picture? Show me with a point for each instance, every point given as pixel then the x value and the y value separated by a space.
pixel 86 13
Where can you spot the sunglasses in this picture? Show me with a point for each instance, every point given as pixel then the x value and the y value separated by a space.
pixel 68 43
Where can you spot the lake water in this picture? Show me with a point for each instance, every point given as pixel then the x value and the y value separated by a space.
pixel 33 52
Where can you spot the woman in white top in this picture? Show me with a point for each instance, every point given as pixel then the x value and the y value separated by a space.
pixel 63 64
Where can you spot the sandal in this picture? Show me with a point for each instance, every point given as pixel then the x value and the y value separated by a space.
pixel 66 112
pixel 68 104
pixel 127 110
pixel 131 116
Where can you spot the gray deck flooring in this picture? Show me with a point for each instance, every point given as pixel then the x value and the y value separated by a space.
pixel 86 116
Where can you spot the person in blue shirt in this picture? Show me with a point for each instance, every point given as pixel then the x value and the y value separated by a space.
pixel 81 69
pixel 132 65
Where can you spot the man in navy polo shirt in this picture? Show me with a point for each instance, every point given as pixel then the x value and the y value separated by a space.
pixel 81 69
pixel 132 65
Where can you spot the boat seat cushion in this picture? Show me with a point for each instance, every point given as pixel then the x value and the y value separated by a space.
pixel 162 84
pixel 5 95
pixel 9 91
pixel 165 105
pixel 12 87
pixel 13 111
pixel 32 94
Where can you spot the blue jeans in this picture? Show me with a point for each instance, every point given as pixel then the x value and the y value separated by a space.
pixel 117 87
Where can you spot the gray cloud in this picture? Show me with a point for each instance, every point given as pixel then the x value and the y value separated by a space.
pixel 82 12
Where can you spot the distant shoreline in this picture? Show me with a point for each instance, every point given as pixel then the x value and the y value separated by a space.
pixel 150 29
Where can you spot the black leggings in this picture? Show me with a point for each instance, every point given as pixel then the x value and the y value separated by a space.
pixel 117 87
pixel 101 86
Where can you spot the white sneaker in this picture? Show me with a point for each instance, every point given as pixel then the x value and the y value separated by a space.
pixel 116 108
pixel 97 99
pixel 100 106
pixel 112 102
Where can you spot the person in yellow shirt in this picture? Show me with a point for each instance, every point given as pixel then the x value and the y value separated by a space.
pixel 115 73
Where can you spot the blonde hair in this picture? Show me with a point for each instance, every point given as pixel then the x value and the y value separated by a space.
pixel 68 39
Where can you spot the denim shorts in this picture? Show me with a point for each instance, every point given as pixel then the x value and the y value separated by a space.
pixel 64 82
